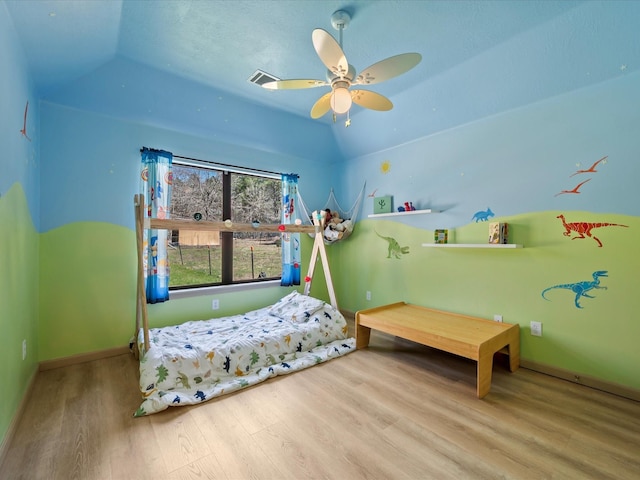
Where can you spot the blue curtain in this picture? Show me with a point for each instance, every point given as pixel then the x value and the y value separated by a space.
pixel 290 241
pixel 156 186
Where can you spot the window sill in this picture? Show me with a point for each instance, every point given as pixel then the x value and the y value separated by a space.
pixel 220 289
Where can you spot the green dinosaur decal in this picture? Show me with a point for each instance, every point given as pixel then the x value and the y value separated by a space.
pixel 394 247
pixel 161 373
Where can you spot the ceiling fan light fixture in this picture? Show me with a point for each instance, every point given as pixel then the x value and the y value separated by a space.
pixel 341 100
pixel 341 75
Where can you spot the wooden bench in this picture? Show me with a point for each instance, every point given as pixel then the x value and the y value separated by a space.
pixel 469 337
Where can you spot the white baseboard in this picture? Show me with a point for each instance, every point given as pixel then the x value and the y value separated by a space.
pixel 597 383
pixel 82 358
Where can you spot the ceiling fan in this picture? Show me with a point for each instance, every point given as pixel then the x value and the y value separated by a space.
pixel 341 75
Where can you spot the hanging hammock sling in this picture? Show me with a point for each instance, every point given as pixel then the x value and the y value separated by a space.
pixel 349 217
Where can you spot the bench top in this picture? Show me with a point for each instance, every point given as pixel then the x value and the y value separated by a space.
pixel 453 332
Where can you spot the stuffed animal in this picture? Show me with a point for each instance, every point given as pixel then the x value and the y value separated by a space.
pixel 331 234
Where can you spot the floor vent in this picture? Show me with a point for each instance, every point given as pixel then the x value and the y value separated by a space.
pixel 260 78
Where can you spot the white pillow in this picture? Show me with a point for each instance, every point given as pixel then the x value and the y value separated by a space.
pixel 296 307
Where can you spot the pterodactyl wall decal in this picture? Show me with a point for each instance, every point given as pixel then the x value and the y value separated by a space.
pixel 24 126
pixel 591 169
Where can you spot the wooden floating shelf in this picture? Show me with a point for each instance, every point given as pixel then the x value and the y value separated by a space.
pixel 396 214
pixel 473 245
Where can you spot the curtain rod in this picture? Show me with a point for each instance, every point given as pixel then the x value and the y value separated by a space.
pixel 222 164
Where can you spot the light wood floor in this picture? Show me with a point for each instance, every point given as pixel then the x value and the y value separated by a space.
pixel 394 411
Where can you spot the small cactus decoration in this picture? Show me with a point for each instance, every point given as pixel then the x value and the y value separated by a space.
pixel 382 204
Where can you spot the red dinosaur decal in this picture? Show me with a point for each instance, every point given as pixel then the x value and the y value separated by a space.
pixel 584 228
pixel 591 169
pixel 574 189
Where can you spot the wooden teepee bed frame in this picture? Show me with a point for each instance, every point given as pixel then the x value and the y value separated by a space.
pixel 143 223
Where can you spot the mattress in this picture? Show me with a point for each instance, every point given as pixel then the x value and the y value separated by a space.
pixel 196 361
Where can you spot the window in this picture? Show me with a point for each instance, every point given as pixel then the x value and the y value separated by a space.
pixel 203 258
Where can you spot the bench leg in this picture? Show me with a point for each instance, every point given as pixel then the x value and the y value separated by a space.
pixel 485 369
pixel 362 336
pixel 514 355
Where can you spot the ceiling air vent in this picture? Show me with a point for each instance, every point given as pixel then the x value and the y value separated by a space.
pixel 260 78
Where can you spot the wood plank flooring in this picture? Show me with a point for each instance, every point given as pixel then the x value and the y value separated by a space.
pixel 396 410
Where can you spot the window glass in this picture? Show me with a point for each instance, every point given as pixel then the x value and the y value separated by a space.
pixel 199 257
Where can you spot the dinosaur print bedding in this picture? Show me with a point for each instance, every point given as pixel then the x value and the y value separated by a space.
pixel 199 360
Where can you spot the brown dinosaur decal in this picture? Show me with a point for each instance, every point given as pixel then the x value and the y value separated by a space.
pixel 583 229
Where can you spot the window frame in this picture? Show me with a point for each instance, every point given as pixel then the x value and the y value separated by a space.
pixel 226 238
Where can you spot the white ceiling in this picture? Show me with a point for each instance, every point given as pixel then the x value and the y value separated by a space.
pixel 479 57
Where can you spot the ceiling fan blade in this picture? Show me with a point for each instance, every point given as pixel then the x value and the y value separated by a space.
pixel 294 84
pixel 388 68
pixel 330 52
pixel 322 106
pixel 371 100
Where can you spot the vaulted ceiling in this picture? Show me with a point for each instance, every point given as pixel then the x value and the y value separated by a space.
pixel 478 57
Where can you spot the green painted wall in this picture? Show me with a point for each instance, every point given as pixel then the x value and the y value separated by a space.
pixel 88 285
pixel 599 340
pixel 18 301
pixel 87 288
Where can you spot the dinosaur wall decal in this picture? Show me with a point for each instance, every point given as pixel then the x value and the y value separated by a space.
pixel 591 169
pixel 394 247
pixel 483 215
pixel 574 189
pixel 583 229
pixel 24 125
pixel 581 288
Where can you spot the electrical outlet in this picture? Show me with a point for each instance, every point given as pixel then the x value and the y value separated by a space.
pixel 215 304
pixel 368 295
pixel 24 349
pixel 497 318
pixel 536 329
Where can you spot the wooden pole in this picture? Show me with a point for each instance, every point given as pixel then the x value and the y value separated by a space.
pixel 141 295
pixel 319 247
pixel 181 224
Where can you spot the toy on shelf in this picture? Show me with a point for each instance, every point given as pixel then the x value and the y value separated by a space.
pixel 408 207
pixel 498 233
pixel 441 236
